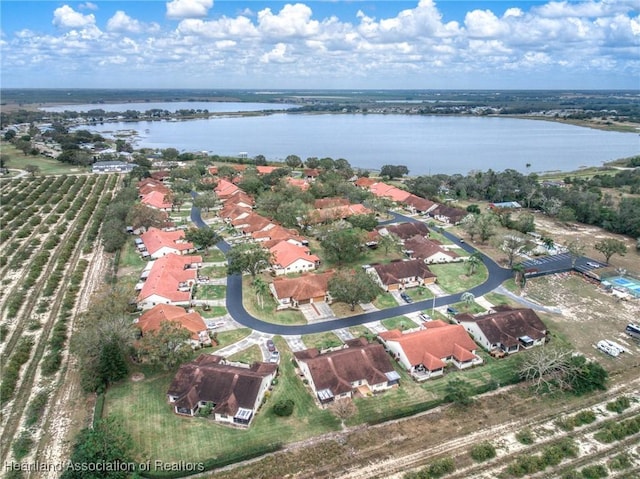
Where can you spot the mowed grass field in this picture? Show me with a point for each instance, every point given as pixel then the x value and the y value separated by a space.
pixel 160 434
pixel 48 166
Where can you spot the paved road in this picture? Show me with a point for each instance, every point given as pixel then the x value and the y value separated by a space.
pixel 497 275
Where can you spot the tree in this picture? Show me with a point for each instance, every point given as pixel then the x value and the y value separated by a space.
pixel 170 154
pixel 365 222
pixel 475 209
pixel 394 171
pixel 485 224
pixel 520 277
pixel 106 443
pixel 389 242
pixel 206 201
pixel 610 246
pixel 33 170
pixel 284 407
pixel 293 161
pixel 525 223
pixel 344 245
pixel 575 249
pixel 343 409
pixel 312 162
pixel 248 258
pixel 512 245
pixel 458 392
pixel 468 298
pixel 261 287
pixel 353 287
pixel 143 216
pixel 167 346
pixel 473 262
pixel 9 135
pixel 585 376
pixel 470 225
pixel 202 237
pixel 546 368
pixel 260 160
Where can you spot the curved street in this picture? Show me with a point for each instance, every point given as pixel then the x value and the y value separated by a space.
pixel 497 275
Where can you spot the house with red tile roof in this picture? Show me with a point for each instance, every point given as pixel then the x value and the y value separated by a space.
pixel 400 275
pixel 161 175
pixel 273 236
pixel 233 392
pixel 358 369
pixel 322 203
pixel 505 329
pixel 298 183
pixel 384 190
pixel 224 189
pixel 418 205
pixel 240 198
pixel 365 183
pixel 161 243
pixel 152 319
pixel 156 199
pixel 426 353
pixel 230 212
pixel 335 213
pixel 306 289
pixel 251 223
pixel 310 174
pixel 429 251
pixel 170 280
pixel 290 258
pixel 265 170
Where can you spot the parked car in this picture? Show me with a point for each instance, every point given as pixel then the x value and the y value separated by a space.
pixel 270 345
pixel 274 357
pixel 424 317
pixel 406 297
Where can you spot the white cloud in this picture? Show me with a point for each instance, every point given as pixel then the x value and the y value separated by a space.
pixel 67 17
pixel 177 9
pixel 121 22
pixel 485 24
pixel 87 6
pixel 223 28
pixel 277 55
pixel 291 21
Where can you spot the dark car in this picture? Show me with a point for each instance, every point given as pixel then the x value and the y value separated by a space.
pixel 270 346
pixel 406 297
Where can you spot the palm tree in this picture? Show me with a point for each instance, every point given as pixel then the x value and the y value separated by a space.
pixel 262 289
pixel 518 271
pixel 468 298
pixel 473 262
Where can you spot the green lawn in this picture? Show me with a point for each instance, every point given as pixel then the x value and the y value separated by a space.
pixel 500 300
pixel 247 356
pixel 399 322
pixel 384 301
pixel 225 338
pixel 267 311
pixel 48 166
pixel 211 311
pixel 472 308
pixel 213 271
pixel 359 331
pixel 129 257
pixel 213 255
pixel 453 278
pixel 160 434
pixel 210 291
pixel 321 340
pixel 418 294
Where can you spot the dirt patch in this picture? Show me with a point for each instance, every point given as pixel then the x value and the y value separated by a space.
pixel 137 377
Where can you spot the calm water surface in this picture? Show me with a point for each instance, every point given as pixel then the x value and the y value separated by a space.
pixel 425 144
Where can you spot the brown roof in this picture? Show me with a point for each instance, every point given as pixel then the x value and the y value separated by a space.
pixel 439 339
pixel 152 319
pixel 408 230
pixel 330 202
pixel 455 215
pixel 165 277
pixel 420 204
pixel 337 370
pixel 506 325
pixel 423 248
pixel 364 182
pixel 155 239
pixel 395 272
pixel 228 387
pixel 302 288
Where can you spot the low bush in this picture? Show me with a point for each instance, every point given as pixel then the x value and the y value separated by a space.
pixel 36 408
pixel 483 451
pixel 619 405
pixel 283 408
pixel 594 472
pixel 620 462
pixel 22 445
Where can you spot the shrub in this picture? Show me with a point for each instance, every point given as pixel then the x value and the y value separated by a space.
pixel 483 451
pixel 594 472
pixel 22 445
pixel 619 404
pixel 283 408
pixel 525 437
pixel 619 462
pixel 441 467
pixel 36 408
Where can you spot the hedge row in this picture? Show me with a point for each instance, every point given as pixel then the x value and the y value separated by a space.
pixel 616 431
pixel 11 371
pixel 552 455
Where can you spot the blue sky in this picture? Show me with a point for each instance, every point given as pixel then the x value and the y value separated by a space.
pixel 321 44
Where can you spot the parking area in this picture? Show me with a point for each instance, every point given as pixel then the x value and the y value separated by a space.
pixel 559 263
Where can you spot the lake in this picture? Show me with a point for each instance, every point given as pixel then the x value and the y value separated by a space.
pixel 425 144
